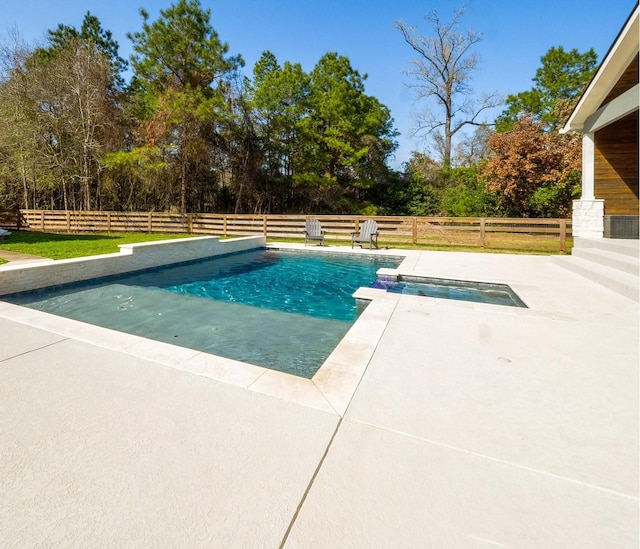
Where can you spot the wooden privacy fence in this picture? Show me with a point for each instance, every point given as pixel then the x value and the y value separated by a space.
pixel 496 233
pixel 10 219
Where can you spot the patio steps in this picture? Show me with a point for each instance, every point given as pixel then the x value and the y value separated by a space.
pixel 612 263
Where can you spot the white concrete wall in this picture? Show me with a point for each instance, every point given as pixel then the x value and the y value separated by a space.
pixel 132 257
pixel 588 218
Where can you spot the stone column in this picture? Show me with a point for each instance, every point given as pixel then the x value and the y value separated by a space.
pixel 588 212
pixel 587 219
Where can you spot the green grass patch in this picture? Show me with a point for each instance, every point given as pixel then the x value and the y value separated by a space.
pixel 540 247
pixel 66 246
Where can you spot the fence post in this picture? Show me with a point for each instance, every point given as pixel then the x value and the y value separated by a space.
pixel 563 235
pixel 224 225
pixel 68 221
pixel 482 231
pixel 264 225
pixel 149 222
pixel 414 231
pixel 42 220
pixel 190 223
pixel 108 222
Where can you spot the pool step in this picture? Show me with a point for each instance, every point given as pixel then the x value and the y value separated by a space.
pixel 613 264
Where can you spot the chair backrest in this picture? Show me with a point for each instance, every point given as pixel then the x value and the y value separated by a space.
pixel 313 227
pixel 368 228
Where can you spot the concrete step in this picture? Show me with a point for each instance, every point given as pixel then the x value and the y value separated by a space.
pixel 623 283
pixel 622 262
pixel 616 245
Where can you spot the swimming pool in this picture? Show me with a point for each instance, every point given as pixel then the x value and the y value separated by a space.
pixel 279 309
pixel 458 290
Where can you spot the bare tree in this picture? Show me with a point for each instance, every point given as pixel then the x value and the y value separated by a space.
pixel 472 147
pixel 59 114
pixel 443 71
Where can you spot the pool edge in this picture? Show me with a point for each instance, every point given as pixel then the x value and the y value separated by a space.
pixel 330 389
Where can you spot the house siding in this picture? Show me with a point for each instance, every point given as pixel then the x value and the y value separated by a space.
pixel 616 165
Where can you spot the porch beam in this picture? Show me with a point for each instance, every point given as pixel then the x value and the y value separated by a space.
pixel 620 107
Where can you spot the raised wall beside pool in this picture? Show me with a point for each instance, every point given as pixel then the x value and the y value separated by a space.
pixel 132 257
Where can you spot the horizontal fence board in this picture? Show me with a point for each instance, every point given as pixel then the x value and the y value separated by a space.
pixel 533 234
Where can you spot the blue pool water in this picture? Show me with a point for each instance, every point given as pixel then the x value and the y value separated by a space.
pixel 459 290
pixel 279 309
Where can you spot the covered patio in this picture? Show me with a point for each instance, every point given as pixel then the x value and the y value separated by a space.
pixel 607 117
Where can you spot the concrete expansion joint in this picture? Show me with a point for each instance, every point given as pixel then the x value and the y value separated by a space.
pixel 35 349
pixel 310 485
pixel 328 401
pixel 502 461
pixel 251 385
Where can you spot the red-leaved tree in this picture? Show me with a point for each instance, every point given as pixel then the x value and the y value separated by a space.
pixel 536 172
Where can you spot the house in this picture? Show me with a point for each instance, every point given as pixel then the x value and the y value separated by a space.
pixel 607 117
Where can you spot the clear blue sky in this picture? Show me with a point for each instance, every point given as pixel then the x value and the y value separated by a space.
pixel 516 35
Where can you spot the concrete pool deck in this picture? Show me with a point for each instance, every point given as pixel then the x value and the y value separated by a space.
pixel 469 426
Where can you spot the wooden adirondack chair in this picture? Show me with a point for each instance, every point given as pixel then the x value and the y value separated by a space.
pixel 313 231
pixel 368 234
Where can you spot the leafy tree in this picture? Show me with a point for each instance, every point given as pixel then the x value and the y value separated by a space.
pixel 182 77
pixel 424 184
pixel 535 172
pixel 187 132
pixel 430 189
pixel 242 149
pixel 324 141
pixel 422 199
pixel 349 134
pixel 560 80
pixel 281 99
pixel 467 196
pixel 181 50
pixel 442 72
pixel 93 35
pixel 136 179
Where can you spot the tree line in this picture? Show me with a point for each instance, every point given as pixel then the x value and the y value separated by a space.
pixel 190 133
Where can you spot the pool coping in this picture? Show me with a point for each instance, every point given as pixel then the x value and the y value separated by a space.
pixel 329 390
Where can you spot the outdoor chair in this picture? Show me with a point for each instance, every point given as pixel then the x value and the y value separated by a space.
pixel 368 234
pixel 313 231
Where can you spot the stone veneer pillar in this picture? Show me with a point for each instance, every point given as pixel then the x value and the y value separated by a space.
pixel 587 218
pixel 588 212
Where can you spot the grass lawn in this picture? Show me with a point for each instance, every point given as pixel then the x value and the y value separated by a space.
pixel 499 245
pixel 65 246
